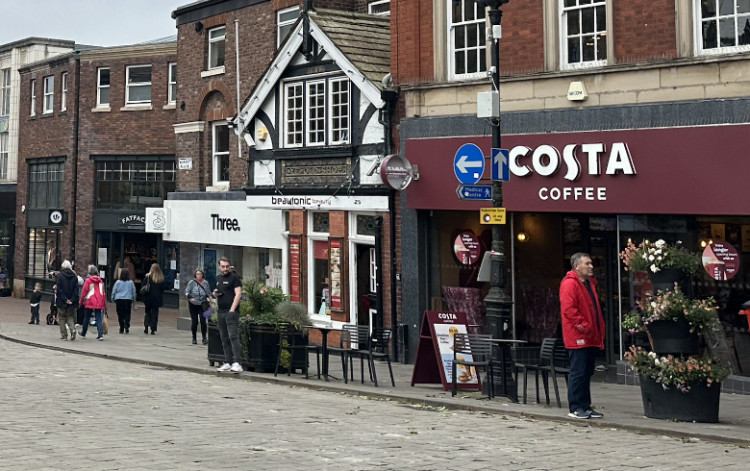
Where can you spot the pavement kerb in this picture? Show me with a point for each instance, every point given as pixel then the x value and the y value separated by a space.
pixel 652 429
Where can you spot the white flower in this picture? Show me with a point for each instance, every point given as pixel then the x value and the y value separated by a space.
pixel 652 354
pixel 660 243
pixel 651 258
pixel 654 268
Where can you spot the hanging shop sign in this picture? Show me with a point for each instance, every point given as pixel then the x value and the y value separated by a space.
pixel 466 248
pixel 396 172
pixel 721 260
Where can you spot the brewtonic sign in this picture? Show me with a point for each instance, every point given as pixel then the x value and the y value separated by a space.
pixel 642 171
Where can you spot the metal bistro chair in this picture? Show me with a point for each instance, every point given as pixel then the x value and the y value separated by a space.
pixel 353 342
pixel 553 360
pixel 288 336
pixel 472 350
pixel 378 348
pixel 525 359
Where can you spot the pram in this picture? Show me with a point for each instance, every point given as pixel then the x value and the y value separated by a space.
pixel 52 316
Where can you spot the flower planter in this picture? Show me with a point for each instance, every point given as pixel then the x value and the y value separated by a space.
pixel 699 404
pixel 215 348
pixel 672 337
pixel 260 348
pixel 664 280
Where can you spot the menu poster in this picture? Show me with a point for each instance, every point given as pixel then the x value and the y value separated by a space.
pixel 721 260
pixel 294 268
pixel 434 360
pixel 335 273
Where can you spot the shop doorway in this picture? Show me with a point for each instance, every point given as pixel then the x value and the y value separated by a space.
pixel 604 254
pixel 366 286
pixel 134 251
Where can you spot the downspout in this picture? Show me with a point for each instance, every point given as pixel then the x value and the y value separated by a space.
pixel 76 130
pixel 385 119
pixel 237 79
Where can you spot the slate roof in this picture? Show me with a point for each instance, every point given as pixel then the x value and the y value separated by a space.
pixel 364 39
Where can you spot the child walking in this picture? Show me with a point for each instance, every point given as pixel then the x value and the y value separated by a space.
pixel 34 301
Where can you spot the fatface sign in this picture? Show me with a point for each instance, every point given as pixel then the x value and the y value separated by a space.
pixel 641 171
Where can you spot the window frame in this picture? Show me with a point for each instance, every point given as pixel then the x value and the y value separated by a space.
pixel 48 94
pixel 63 91
pixel 211 41
pixel 216 155
pixel 719 49
pixel 45 186
pixel 378 3
pixel 133 178
pixel 100 87
pixel 4 154
pixel 5 79
pixel 172 83
pixel 301 126
pixel 481 46
pixel 286 24
pixel 565 64
pixel 33 98
pixel 128 85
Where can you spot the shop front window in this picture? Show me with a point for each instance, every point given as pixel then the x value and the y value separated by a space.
pixel 133 184
pixel 43 253
pixel 45 184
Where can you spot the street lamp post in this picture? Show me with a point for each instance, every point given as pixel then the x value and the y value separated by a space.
pixel 497 302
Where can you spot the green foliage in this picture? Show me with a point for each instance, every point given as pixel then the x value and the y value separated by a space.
pixel 655 256
pixel 672 306
pixel 676 371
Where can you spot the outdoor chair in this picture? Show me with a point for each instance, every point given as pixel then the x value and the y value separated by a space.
pixel 353 343
pixel 288 336
pixel 378 349
pixel 526 358
pixel 472 350
pixel 553 361
pixel 343 350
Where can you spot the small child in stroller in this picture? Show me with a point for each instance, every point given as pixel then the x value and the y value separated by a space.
pixel 52 316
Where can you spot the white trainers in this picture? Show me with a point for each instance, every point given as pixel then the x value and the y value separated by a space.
pixel 224 368
pixel 236 368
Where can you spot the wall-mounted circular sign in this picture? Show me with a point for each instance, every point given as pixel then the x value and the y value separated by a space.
pixel 466 248
pixel 396 172
pixel 55 217
pixel 721 260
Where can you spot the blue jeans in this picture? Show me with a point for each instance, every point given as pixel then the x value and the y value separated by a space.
pixel 87 317
pixel 582 361
pixel 230 338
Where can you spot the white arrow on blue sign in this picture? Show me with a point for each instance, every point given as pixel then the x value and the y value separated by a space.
pixel 468 164
pixel 474 192
pixel 500 170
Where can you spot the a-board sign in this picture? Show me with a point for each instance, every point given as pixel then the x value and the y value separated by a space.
pixel 434 360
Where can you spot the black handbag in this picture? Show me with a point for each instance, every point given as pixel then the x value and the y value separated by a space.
pixel 205 305
pixel 146 287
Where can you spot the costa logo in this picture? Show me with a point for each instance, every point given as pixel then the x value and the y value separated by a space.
pixel 547 160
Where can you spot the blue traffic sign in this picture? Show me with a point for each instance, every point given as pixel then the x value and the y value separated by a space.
pixel 474 192
pixel 499 164
pixel 468 164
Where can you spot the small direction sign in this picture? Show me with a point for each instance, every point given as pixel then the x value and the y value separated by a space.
pixel 500 171
pixel 492 215
pixel 468 164
pixel 474 192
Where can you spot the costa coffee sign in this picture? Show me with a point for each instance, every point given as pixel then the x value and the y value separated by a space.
pixel 695 170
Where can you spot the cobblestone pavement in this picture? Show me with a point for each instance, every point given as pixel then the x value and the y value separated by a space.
pixel 67 411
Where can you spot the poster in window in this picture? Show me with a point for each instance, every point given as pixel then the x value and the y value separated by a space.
pixel 294 263
pixel 335 274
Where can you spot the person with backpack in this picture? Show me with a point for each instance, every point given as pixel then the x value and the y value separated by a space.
pixel 93 298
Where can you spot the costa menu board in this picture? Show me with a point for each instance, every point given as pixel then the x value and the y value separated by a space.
pixel 294 268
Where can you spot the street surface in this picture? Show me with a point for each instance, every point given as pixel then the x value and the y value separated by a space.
pixel 69 412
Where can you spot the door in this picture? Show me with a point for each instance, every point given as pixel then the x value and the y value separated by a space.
pixel 604 255
pixel 365 284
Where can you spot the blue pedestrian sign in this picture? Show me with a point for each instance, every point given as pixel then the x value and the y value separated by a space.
pixel 468 165
pixel 474 192
pixel 500 165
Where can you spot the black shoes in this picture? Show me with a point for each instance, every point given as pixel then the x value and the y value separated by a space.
pixel 195 342
pixel 205 341
pixel 145 331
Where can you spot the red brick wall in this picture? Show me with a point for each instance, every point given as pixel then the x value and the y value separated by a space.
pixel 644 29
pixel 522 43
pixel 411 41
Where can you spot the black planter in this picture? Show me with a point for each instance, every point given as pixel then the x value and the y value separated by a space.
pixel 673 337
pixel 260 348
pixel 699 404
pixel 215 349
pixel 664 280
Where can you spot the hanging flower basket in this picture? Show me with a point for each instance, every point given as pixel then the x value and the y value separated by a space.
pixel 672 337
pixel 666 278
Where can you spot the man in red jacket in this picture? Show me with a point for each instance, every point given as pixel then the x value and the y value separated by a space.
pixel 583 332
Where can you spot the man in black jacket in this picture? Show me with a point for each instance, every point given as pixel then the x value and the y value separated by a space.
pixel 67 300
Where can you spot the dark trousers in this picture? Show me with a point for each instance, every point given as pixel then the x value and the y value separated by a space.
pixel 196 314
pixel 151 319
pixel 35 313
pixel 123 313
pixel 230 339
pixel 582 361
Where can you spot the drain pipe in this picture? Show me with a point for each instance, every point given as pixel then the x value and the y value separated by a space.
pixel 237 80
pixel 76 131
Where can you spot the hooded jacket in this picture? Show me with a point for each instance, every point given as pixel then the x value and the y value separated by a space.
pixel 576 309
pixel 93 294
pixel 67 287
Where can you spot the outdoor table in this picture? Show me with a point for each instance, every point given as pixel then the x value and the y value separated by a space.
pixel 503 344
pixel 324 329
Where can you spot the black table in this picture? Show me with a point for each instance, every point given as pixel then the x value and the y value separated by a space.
pixel 503 344
pixel 324 330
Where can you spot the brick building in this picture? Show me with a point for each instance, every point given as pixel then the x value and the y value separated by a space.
pixel 624 120
pixel 96 146
pixel 13 56
pixel 221 169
